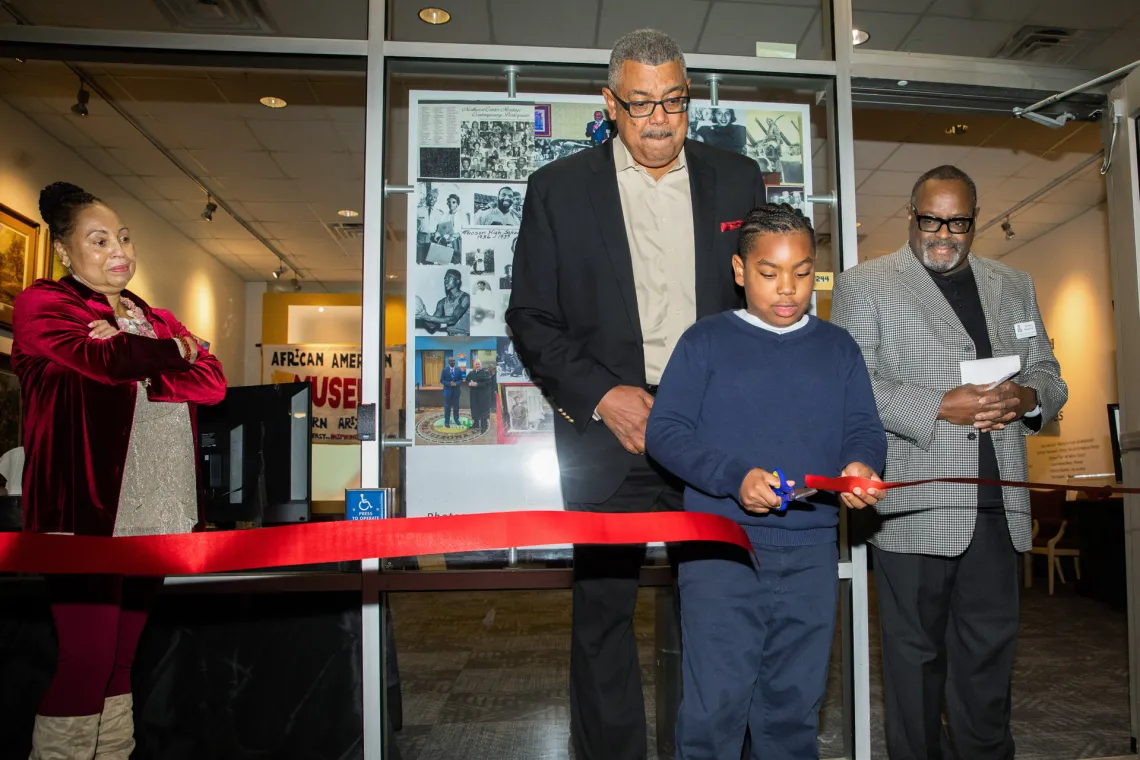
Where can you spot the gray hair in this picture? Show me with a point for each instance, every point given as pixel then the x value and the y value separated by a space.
pixel 646 46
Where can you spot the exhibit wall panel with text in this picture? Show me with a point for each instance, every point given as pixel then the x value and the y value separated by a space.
pixel 482 431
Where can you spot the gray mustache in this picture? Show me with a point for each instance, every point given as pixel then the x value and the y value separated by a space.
pixel 656 134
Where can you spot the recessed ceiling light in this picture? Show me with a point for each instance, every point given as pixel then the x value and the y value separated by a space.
pixel 271 102
pixel 347 212
pixel 321 309
pixel 434 16
pixel 957 129
pixel 858 224
pixel 858 36
pixel 391 277
pixel 903 83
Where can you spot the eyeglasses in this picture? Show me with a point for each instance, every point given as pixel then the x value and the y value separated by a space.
pixel 640 109
pixel 959 225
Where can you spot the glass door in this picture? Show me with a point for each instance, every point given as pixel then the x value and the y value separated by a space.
pixel 1122 171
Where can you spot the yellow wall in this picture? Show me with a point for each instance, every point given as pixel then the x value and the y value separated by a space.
pixel 1070 268
pixel 335 467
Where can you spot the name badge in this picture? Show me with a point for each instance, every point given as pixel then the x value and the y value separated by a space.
pixel 1025 330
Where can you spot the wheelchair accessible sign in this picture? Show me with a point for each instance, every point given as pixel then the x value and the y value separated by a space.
pixel 366 504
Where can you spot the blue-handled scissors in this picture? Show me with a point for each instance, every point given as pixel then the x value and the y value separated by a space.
pixel 787 494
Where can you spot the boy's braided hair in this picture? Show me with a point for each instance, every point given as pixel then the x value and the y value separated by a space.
pixel 772 219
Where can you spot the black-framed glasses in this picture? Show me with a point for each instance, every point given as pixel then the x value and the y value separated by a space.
pixel 640 109
pixel 959 225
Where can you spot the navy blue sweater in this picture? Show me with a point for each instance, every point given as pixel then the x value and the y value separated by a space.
pixel 735 396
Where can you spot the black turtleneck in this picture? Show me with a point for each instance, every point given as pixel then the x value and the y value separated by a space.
pixel 961 290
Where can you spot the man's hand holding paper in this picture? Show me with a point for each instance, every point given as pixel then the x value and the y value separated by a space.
pixel 988 399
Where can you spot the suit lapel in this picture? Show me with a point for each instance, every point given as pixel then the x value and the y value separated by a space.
pixel 989 289
pixel 702 192
pixel 603 194
pixel 919 281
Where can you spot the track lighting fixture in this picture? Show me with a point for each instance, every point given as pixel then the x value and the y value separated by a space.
pixel 211 207
pixel 1008 230
pixel 296 285
pixel 279 271
pixel 81 100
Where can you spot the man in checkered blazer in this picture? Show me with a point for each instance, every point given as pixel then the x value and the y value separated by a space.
pixel 946 556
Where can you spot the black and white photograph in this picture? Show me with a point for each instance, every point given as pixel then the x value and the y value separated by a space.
pixel 793 196
pixel 719 127
pixel 525 411
pixel 493 150
pixel 443 210
pixel 497 206
pixel 442 303
pixel 488 308
pixel 488 251
pixel 550 149
pixel 511 369
pixel 776 142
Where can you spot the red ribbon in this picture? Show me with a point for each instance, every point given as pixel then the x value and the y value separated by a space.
pixel 726 226
pixel 849 484
pixel 345 541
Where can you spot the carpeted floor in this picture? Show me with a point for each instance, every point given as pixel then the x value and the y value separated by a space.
pixel 484 674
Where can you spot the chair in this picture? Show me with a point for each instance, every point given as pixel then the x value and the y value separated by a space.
pixel 1053 536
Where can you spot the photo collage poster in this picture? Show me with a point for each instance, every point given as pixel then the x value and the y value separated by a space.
pixel 470 155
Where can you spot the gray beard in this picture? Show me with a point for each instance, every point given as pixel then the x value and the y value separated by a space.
pixel 933 265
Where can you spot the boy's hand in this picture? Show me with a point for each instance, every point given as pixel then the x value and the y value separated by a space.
pixel 860 498
pixel 625 410
pixel 756 492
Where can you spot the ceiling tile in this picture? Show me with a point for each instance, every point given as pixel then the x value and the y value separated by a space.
pixel 320 165
pixel 537 22
pixel 196 134
pixel 1049 213
pixel 470 22
pixel 295 135
pixel 883 125
pixel 887 30
pixel 245 163
pixel 149 162
pixel 983 10
pixel 861 176
pixel 297 230
pixel 979 39
pixel 244 247
pixel 352 134
pixel 175 188
pixel 1079 191
pixel 102 161
pixel 870 154
pixel 138 188
pixel 247 189
pixel 111 132
pixel 1006 192
pixel 325 247
pixel 883 206
pixel 194 230
pixel 898 184
pixel 735 28
pixel 896 6
pixel 345 192
pixel 683 22
pixel 1085 14
pixel 994 162
pixel 278 212
pixel 917 158
pixel 1052 165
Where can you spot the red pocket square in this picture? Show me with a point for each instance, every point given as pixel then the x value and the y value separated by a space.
pixel 726 226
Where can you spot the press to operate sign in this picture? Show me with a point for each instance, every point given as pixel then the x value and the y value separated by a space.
pixel 366 504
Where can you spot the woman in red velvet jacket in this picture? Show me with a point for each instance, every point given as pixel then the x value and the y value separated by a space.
pixel 109 386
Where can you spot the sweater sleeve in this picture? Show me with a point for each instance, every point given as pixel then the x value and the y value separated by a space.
pixel 864 439
pixel 671 433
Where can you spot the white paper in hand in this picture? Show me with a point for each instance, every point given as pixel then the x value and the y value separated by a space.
pixel 990 372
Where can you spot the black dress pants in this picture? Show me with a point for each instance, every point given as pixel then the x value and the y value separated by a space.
pixel 949 629
pixel 607 707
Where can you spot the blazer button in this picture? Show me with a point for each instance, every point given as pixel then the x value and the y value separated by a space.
pixel 972 436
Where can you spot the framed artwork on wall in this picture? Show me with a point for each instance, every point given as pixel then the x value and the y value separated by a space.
pixel 21 259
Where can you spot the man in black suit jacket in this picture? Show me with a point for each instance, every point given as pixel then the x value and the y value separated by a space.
pixel 622 247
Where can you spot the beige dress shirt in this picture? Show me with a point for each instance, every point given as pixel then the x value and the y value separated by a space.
pixel 659 227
